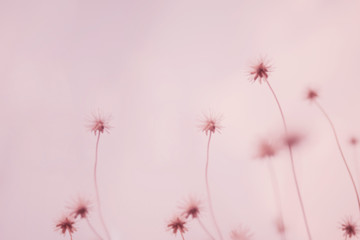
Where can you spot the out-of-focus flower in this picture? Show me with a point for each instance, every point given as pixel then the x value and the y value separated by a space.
pixel 260 71
pixel 81 208
pixel 177 224
pixel 99 124
pixel 191 207
pixel 240 234
pixel 292 139
pixel 66 223
pixel 311 94
pixel 266 149
pixel 350 228
pixel 353 141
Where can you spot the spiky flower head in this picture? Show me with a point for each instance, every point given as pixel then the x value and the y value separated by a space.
pixel 311 94
pixel 191 207
pixel 99 123
pixel 350 228
pixel 66 223
pixel 80 208
pixel 210 124
pixel 260 71
pixel 240 234
pixel 177 224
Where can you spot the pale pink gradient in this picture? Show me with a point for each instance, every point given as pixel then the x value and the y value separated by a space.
pixel 156 67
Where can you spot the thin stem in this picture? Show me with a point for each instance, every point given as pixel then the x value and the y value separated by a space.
pixel 340 150
pixel 208 189
pixel 205 229
pixel 292 162
pixel 93 229
pixel 70 235
pixel 97 189
pixel 182 235
pixel 276 189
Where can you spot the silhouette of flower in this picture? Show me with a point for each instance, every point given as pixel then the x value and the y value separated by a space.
pixel 350 228
pixel 81 208
pixel 260 71
pixel 240 234
pixel 177 224
pixel 210 124
pixel 66 223
pixel 191 208
pixel 99 124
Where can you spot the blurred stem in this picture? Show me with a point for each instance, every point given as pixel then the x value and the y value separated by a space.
pixel 208 189
pixel 97 189
pixel 182 235
pixel 93 229
pixel 292 162
pixel 205 229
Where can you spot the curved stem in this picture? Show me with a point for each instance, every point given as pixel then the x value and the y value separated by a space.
pixel 292 162
pixel 97 189
pixel 276 189
pixel 340 150
pixel 208 189
pixel 93 229
pixel 205 229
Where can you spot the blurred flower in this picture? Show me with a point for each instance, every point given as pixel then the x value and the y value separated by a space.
pixel 210 124
pixel 350 228
pixel 311 94
pixel 99 124
pixel 260 71
pixel 81 208
pixel 66 223
pixel 292 139
pixel 353 141
pixel 240 234
pixel 280 226
pixel 266 149
pixel 177 224
pixel 191 207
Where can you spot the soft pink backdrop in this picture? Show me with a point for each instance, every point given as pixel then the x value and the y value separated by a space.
pixel 156 66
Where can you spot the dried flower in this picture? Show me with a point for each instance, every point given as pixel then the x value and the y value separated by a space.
pixel 81 208
pixel 260 71
pixel 240 234
pixel 191 208
pixel 210 124
pixel 311 94
pixel 99 124
pixel 350 228
pixel 177 224
pixel 66 223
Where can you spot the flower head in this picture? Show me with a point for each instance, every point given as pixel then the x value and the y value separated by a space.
pixel 81 208
pixel 99 124
pixel 260 71
pixel 177 224
pixel 66 223
pixel 311 94
pixel 292 139
pixel 210 124
pixel 191 208
pixel 240 234
pixel 266 149
pixel 350 228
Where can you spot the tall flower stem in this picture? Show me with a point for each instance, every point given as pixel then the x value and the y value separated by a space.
pixel 292 162
pixel 340 150
pixel 208 189
pixel 93 229
pixel 205 229
pixel 276 189
pixel 182 235
pixel 97 189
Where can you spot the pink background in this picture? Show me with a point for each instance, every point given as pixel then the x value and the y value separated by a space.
pixel 156 66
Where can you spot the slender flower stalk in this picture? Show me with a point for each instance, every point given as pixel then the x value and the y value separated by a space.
pixel 210 125
pixel 260 72
pixel 205 229
pixel 98 126
pixel 354 142
pixel 322 110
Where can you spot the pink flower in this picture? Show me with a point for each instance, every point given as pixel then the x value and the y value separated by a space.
pixel 99 124
pixel 350 228
pixel 260 71
pixel 240 234
pixel 191 208
pixel 210 124
pixel 353 141
pixel 311 94
pixel 292 139
pixel 266 149
pixel 66 223
pixel 81 208
pixel 177 224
